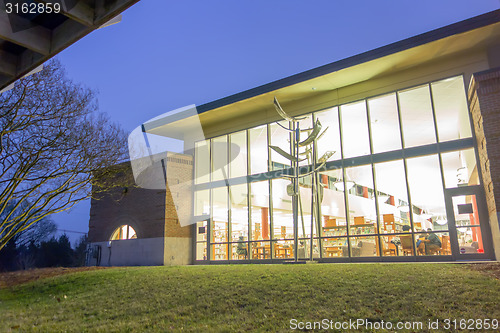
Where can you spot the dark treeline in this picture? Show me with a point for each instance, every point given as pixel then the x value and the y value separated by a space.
pixel 55 252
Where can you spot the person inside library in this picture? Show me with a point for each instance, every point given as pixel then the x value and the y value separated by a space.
pixel 431 244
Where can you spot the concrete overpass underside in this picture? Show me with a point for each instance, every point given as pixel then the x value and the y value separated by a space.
pixel 28 38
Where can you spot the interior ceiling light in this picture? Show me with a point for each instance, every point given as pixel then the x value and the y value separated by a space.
pixel 441 220
pixel 339 185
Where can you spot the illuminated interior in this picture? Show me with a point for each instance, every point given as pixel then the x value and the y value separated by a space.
pixel 391 203
pixel 123 232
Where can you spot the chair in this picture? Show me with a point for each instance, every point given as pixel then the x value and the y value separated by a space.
pixel 386 247
pixel 345 251
pixel 445 245
pixel 432 249
pixel 362 249
pixel 392 249
pixel 406 244
pixel 367 249
pixel 283 251
pixel 241 249
pixel 260 251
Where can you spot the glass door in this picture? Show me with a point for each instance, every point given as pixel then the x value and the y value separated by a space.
pixel 466 213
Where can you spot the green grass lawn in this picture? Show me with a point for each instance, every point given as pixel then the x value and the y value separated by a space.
pixel 247 297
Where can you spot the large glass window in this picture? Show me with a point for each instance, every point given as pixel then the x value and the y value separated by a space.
pixel 280 137
pixel 220 215
pixel 239 221
pixel 220 170
pixel 470 240
pixel 202 162
pixel 238 154
pixel 305 213
pixel 282 210
pixel 202 203
pixel 459 168
pixel 333 205
pixel 260 210
pixel 201 240
pixel 361 200
pixel 330 140
pixel 395 200
pixel 220 223
pixel 417 118
pixel 282 218
pixel 355 139
pixel 393 208
pixel 239 213
pixel 333 224
pixel 384 123
pixel 258 149
pixel 426 193
pixel 260 222
pixel 450 105
pixel 392 198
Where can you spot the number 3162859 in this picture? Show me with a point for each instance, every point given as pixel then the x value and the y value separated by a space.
pixel 32 8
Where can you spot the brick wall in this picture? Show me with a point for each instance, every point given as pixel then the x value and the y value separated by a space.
pixel 484 101
pixel 142 209
pixel 152 213
pixel 179 195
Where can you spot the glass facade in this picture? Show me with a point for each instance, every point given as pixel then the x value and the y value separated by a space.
pixel 382 191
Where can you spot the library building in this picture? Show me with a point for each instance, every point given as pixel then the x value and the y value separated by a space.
pixel 388 155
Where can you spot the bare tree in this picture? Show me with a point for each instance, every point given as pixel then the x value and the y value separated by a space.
pixel 53 142
pixel 38 232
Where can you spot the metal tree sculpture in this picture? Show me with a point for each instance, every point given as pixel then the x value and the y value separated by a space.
pixel 301 151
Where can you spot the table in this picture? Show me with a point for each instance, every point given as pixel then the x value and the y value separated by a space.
pixel 283 252
pixel 333 251
pixel 261 252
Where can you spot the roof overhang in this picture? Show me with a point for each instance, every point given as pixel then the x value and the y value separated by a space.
pixel 28 40
pixel 444 43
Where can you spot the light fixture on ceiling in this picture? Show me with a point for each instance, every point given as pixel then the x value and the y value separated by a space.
pixel 339 185
pixel 425 215
pixel 441 220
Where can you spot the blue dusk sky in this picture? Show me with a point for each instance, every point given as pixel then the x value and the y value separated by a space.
pixel 168 54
